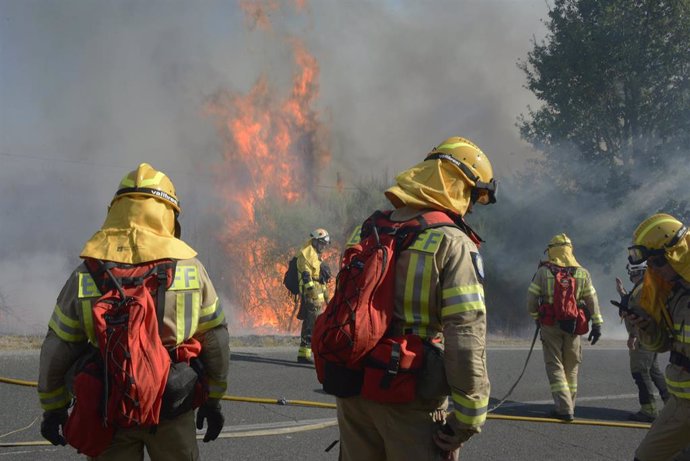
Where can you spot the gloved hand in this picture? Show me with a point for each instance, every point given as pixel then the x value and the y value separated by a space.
pixel 213 414
pixel 451 437
pixel 324 273
pixel 594 334
pixel 52 426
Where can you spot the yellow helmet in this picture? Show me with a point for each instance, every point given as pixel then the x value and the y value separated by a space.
pixel 472 163
pixel 560 240
pixel 321 235
pixel 148 181
pixel 654 235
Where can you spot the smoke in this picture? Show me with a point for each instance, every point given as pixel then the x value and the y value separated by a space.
pixel 91 89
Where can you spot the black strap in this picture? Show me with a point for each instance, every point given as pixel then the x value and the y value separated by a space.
pixel 160 293
pixel 393 367
pixel 681 360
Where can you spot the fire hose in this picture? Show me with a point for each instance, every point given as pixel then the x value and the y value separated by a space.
pixel 283 428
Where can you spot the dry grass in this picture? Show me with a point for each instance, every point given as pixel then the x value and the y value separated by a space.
pixel 18 342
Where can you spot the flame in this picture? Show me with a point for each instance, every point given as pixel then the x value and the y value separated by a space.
pixel 273 149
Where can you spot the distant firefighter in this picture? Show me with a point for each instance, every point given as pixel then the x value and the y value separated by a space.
pixel 643 362
pixel 664 325
pixel 314 275
pixel 562 300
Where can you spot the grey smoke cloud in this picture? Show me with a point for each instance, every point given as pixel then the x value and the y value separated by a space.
pixel 90 89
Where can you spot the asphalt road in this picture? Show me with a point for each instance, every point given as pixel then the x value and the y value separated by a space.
pixel 606 392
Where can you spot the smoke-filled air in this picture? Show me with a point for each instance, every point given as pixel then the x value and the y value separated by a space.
pixel 273 118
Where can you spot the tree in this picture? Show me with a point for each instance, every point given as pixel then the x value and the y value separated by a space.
pixel 614 79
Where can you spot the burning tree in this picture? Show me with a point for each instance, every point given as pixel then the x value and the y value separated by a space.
pixel 274 149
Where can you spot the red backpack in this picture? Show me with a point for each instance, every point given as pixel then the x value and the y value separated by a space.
pixel 564 309
pixel 357 317
pixel 134 365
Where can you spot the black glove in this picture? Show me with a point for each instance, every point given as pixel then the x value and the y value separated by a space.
pixel 52 426
pixel 324 273
pixel 594 335
pixel 212 413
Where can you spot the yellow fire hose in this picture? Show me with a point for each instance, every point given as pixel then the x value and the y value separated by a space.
pixel 308 403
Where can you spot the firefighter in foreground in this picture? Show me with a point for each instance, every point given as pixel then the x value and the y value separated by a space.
pixel 314 275
pixel 141 227
pixel 562 300
pixel 664 325
pixel 439 295
pixel 643 363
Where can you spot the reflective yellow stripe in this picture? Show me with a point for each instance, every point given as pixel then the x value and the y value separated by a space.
pixel 87 318
pixel 186 278
pixel 453 145
pixel 535 315
pixel 179 317
pixel 549 287
pixel 424 296
pixel 679 388
pixel 682 335
pixel 216 389
pixel 409 289
pixel 211 316
pixel 87 287
pixel 66 328
pixel 471 412
pixel 194 313
pixel 559 387
pixel 355 237
pixel 651 225
pixel 597 319
pixel 59 398
pixel 461 299
pixel 534 289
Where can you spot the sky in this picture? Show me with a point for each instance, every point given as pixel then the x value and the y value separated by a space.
pixel 91 88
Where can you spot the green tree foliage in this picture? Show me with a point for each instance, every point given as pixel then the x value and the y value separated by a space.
pixel 614 79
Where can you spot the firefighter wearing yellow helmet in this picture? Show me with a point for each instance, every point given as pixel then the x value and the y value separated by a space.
pixel 140 227
pixel 559 333
pixel 439 295
pixel 663 324
pixel 314 275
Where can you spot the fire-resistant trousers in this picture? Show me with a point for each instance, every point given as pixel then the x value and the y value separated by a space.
pixel 562 358
pixel 647 375
pixel 171 440
pixel 308 313
pixel 372 431
pixel 670 433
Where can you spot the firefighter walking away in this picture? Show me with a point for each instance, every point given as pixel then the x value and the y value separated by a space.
pixel 562 300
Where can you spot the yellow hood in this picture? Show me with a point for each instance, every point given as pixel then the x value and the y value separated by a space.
pixel 656 290
pixel 562 256
pixel 137 230
pixel 431 184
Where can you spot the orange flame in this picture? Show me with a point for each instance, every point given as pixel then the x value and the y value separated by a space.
pixel 273 149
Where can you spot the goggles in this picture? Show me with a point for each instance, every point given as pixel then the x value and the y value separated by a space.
pixel 637 254
pixel 485 191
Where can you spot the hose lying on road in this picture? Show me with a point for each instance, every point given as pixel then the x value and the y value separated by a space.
pixel 308 403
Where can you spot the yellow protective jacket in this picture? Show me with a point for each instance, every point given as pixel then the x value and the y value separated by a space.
pixel 192 309
pixel 660 337
pixel 309 269
pixel 439 293
pixel 541 290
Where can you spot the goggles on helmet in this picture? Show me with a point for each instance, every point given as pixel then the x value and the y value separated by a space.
pixel 486 191
pixel 637 254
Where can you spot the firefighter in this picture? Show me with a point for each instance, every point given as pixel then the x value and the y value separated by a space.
pixel 314 275
pixel 141 226
pixel 439 295
pixel 560 343
pixel 663 324
pixel 643 363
